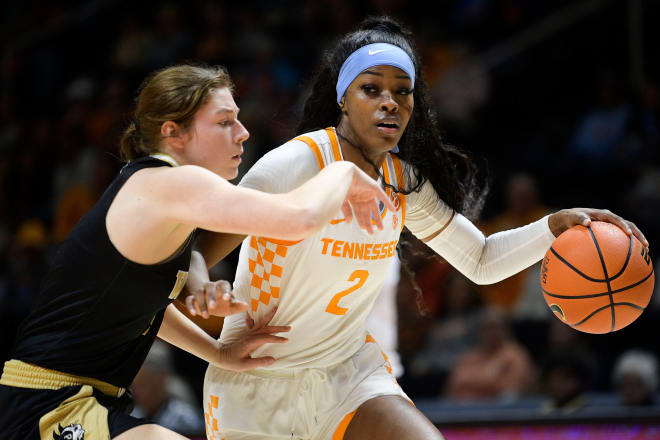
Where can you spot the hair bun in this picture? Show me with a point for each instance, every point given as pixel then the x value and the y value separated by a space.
pixel 381 23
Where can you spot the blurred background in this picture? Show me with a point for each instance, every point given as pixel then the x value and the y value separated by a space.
pixel 560 97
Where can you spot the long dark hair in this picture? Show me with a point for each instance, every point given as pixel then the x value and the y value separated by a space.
pixel 456 178
pixel 453 173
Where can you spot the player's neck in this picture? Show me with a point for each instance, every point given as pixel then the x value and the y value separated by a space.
pixel 353 153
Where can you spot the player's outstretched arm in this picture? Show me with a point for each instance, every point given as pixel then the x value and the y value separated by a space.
pixel 195 196
pixel 486 260
pixel 180 331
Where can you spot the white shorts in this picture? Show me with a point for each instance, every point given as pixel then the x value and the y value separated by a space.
pixel 308 403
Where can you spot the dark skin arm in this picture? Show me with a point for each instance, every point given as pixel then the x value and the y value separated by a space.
pixel 215 246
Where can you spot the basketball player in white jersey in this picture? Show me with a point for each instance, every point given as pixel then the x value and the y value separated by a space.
pixel 331 380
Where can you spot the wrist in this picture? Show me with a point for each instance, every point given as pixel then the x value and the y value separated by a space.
pixel 556 223
pixel 219 355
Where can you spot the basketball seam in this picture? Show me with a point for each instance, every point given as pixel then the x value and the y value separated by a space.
pixel 609 287
pixel 625 264
pixel 595 295
pixel 587 277
pixel 592 314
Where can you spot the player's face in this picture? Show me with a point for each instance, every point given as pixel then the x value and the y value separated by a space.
pixel 215 138
pixel 377 107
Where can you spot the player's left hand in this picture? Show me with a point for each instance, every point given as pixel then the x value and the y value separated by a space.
pixel 567 218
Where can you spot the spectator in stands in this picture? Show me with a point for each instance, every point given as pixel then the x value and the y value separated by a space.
pixel 565 378
pixel 523 205
pixel 451 335
pixel 497 368
pixel 636 378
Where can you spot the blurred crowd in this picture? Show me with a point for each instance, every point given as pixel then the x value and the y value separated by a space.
pixel 570 119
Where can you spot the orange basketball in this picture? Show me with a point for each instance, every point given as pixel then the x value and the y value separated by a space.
pixel 597 279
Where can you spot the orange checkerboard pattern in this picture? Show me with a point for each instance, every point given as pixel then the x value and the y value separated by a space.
pixel 211 421
pixel 266 259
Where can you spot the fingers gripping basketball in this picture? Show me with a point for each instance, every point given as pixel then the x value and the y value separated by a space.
pixel 597 279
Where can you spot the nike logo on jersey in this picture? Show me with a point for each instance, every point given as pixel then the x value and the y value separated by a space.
pixel 374 52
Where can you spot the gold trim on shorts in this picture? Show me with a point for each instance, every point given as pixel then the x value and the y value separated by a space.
pixel 23 375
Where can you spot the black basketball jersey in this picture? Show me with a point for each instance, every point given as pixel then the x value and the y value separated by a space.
pixel 98 313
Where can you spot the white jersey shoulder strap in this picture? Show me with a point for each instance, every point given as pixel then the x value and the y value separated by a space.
pixel 324 144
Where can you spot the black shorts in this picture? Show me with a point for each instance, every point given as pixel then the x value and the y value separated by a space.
pixel 35 414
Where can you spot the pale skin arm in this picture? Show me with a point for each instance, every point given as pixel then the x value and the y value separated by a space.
pixel 180 331
pixel 195 196
pixel 158 208
pixel 321 194
pixel 322 197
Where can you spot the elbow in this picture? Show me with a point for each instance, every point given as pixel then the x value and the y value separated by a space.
pixel 482 277
pixel 309 222
pixel 481 281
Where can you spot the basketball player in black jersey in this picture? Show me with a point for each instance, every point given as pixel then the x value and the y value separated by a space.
pixel 109 291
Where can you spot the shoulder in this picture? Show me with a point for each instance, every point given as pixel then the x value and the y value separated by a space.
pixel 294 150
pixel 285 167
pixel 306 147
pixel 169 183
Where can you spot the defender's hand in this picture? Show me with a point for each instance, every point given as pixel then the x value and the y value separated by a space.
pixel 363 197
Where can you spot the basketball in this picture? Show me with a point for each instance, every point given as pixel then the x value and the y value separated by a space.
pixel 597 279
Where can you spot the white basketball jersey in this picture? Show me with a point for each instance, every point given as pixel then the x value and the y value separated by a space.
pixel 324 286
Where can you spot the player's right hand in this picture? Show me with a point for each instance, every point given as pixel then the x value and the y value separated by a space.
pixel 237 356
pixel 363 197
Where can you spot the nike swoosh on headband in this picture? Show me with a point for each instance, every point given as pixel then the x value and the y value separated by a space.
pixel 364 57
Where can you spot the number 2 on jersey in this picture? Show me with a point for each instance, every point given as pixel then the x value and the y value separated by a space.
pixel 334 307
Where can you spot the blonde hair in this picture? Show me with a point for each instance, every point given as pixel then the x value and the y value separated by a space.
pixel 171 94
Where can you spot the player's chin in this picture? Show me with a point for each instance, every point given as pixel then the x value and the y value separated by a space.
pixel 385 141
pixel 229 172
